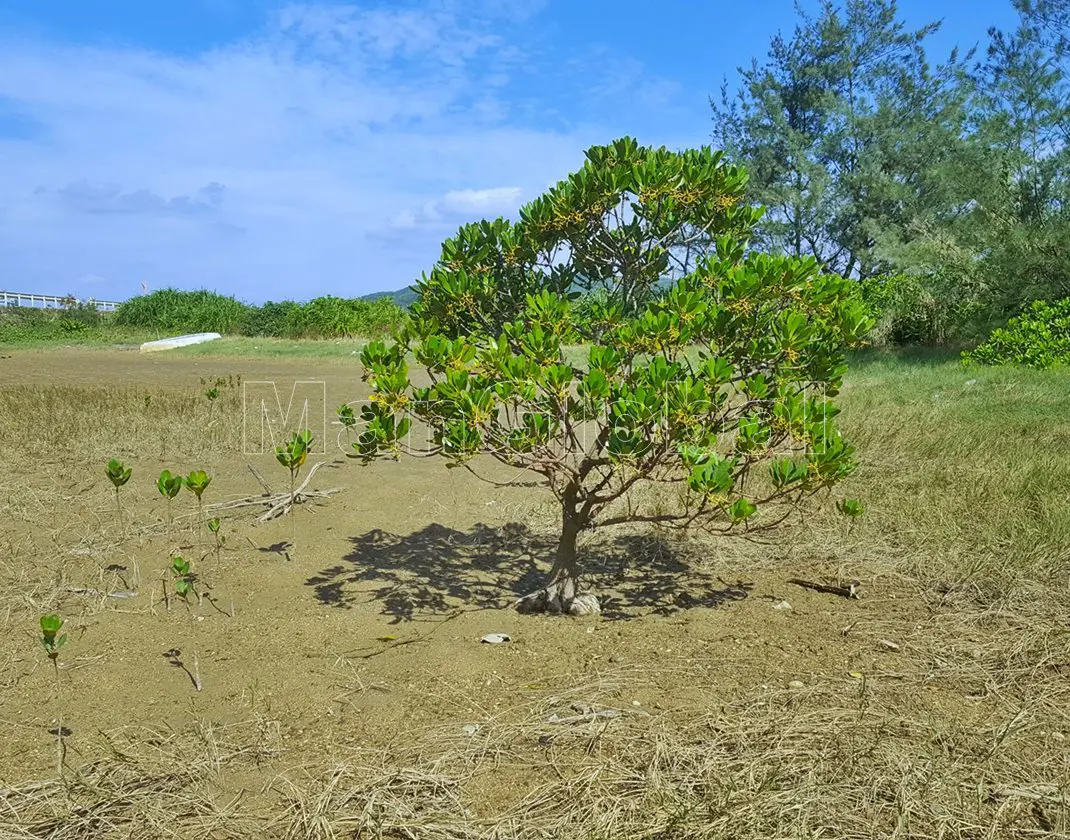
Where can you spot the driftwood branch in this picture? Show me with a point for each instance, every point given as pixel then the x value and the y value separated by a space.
pixel 260 478
pixel 278 503
pixel 849 590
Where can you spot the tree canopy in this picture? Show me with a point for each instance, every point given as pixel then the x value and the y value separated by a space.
pixel 878 160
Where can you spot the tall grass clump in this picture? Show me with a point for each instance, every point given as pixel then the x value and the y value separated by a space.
pixel 323 317
pixel 180 311
pixel 82 321
pixel 174 311
pixel 274 319
pixel 335 317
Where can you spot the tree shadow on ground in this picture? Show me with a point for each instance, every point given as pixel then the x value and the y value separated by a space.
pixel 438 570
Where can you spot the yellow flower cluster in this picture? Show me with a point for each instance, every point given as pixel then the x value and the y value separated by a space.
pixel 393 402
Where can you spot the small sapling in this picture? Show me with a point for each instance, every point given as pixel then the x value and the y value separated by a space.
pixel 118 475
pixel 197 482
pixel 184 587
pixel 169 486
pixel 293 455
pixel 53 642
pixel 347 418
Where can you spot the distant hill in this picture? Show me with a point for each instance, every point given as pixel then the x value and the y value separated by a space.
pixel 407 296
pixel 402 297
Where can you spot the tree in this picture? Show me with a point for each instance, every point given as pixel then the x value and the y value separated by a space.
pixel 842 129
pixel 996 230
pixel 1024 120
pixel 706 406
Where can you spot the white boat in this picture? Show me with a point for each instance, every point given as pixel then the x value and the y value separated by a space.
pixel 178 341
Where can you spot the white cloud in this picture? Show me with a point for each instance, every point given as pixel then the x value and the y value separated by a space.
pixel 81 196
pixel 330 152
pixel 456 207
pixel 481 201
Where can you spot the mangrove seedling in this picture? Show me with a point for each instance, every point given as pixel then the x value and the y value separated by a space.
pixel 118 475
pixel 220 539
pixel 184 580
pixel 347 418
pixel 53 642
pixel 852 509
pixel 293 455
pixel 180 568
pixel 169 486
pixel 197 482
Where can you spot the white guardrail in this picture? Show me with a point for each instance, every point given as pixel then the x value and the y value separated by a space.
pixel 53 301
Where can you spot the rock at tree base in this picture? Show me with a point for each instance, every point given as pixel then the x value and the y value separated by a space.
pixel 547 601
pixel 584 605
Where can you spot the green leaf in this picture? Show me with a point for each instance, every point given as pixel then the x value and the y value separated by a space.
pixel 785 471
pixel 197 482
pixel 51 624
pixel 851 507
pixel 741 510
pixel 169 485
pixel 117 474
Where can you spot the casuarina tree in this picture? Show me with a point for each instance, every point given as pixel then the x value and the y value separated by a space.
pixel 698 395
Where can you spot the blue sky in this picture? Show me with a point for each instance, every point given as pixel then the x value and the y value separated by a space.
pixel 277 150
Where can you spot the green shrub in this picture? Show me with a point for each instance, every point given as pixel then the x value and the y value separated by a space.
pixel 1039 338
pixel 173 310
pixel 323 317
pixel 85 315
pixel 334 317
pixel 17 325
pixel 906 311
pixel 720 384
pixel 22 324
pixel 280 319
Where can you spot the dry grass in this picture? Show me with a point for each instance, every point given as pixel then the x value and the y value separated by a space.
pixel 849 758
pixel 151 785
pixel 844 758
pixel 53 420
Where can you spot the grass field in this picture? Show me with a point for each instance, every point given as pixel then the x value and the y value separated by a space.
pixel 345 692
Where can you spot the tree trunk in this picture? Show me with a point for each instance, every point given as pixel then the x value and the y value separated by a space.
pixel 561 595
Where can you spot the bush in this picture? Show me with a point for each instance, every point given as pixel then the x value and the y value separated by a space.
pixel 273 320
pixel 79 317
pixel 912 309
pixel 323 317
pixel 1039 338
pixel 172 310
pixel 334 317
pixel 21 324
